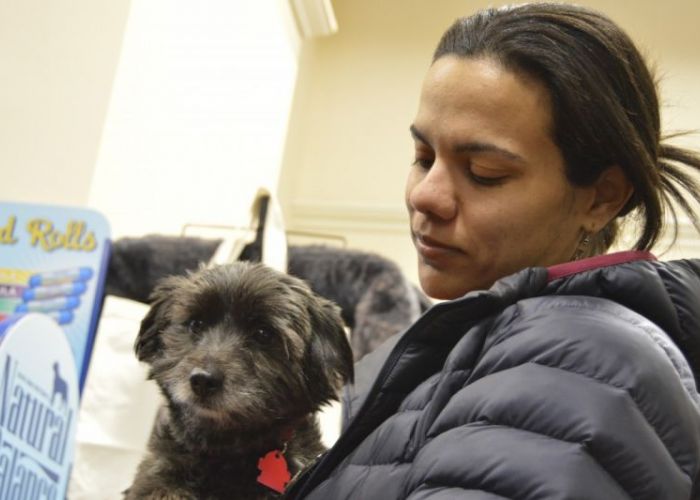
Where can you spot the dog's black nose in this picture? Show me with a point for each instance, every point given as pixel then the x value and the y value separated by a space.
pixel 206 382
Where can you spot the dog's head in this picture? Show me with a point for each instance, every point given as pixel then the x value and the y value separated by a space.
pixel 243 346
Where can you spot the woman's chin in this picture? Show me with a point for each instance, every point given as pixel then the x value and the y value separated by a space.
pixel 448 284
pixel 442 286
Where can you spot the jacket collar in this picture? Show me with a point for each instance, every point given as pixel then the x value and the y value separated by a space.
pixel 612 259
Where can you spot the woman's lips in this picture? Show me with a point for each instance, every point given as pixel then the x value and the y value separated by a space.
pixel 431 249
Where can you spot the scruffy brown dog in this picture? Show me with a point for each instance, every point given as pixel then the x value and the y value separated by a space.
pixel 244 356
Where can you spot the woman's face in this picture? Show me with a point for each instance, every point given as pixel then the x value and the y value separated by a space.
pixel 487 194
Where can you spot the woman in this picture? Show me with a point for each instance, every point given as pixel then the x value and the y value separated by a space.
pixel 553 371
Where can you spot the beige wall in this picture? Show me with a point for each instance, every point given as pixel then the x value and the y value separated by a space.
pixel 348 148
pixel 57 63
pixel 198 114
pixel 156 113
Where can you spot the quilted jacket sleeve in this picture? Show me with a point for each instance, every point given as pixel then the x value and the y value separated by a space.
pixel 570 398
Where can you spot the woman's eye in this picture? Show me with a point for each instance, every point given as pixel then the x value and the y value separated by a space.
pixel 424 163
pixel 487 181
pixel 490 180
pixel 195 325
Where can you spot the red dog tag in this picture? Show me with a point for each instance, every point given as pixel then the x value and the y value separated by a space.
pixel 274 472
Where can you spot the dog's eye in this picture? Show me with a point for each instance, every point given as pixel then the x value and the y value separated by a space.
pixel 195 325
pixel 264 335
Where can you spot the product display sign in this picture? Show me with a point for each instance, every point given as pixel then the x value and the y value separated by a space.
pixel 53 262
pixel 38 409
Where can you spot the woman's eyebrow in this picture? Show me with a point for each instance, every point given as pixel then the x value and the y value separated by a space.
pixel 472 147
pixel 485 147
pixel 417 135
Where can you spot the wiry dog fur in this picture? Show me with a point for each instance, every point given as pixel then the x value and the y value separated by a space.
pixel 242 354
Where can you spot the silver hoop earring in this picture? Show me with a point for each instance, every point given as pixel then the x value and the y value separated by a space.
pixel 583 247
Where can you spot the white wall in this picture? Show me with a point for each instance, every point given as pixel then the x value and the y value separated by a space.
pixel 57 64
pixel 198 115
pixel 155 112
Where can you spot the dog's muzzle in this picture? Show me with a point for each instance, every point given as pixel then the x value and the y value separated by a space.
pixel 206 383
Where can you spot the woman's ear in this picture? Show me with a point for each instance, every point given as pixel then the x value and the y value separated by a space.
pixel 612 190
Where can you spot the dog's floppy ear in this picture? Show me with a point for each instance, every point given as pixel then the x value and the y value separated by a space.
pixel 329 351
pixel 147 343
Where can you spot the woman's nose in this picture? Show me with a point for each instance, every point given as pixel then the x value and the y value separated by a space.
pixel 432 192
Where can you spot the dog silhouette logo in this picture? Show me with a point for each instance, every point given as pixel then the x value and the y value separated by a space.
pixel 60 386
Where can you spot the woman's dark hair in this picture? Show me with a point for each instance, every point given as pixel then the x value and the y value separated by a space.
pixel 604 103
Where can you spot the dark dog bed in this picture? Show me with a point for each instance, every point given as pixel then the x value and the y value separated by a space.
pixel 375 297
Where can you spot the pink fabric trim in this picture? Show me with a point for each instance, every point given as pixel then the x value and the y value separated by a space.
pixel 612 259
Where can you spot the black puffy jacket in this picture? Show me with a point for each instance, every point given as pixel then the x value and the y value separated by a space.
pixel 564 383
